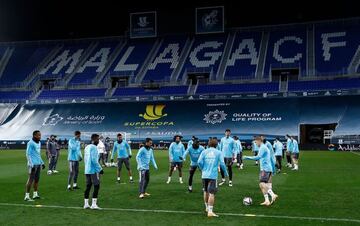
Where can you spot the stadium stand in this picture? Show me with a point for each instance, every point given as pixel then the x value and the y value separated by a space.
pixel 326 56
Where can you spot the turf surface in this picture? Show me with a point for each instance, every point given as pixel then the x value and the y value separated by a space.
pixel 326 186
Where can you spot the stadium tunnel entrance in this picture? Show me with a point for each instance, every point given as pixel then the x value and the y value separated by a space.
pixel 312 135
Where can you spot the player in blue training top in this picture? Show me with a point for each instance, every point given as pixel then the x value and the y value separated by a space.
pixel 123 151
pixel 194 151
pixel 289 147
pixel 272 156
pixel 238 150
pixel 295 153
pixel 227 147
pixel 74 157
pixel 144 156
pixel 208 162
pixel 266 171
pixel 34 164
pixel 278 147
pixel 176 153
pixel 190 142
pixel 92 172
pixel 255 149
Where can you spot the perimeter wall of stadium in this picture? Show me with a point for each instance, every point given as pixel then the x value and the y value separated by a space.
pixel 161 120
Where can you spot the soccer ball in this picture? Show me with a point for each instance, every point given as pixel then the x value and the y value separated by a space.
pixel 247 201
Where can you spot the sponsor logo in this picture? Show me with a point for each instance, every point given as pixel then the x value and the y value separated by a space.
pixel 153 112
pixel 143 21
pixel 52 120
pixel 348 147
pixel 214 117
pixel 331 147
pixel 152 115
pixel 210 20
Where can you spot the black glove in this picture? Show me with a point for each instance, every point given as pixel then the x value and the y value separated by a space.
pixel 181 158
pixel 43 166
pixel 112 160
pixel 130 156
pixel 101 172
pixel 80 159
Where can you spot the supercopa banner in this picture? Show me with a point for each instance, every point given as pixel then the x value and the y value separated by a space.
pixel 143 25
pixel 209 20
pixel 163 119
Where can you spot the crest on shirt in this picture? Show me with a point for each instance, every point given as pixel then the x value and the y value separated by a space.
pixel 214 117
pixel 52 120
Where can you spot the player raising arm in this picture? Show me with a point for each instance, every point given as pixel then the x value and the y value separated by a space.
pixel 266 171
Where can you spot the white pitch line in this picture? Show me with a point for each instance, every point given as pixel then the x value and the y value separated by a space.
pixel 355 153
pixel 189 212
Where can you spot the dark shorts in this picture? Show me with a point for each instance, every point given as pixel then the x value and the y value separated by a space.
pixel 228 161
pixel 126 161
pixel 264 176
pixel 209 185
pixel 295 155
pixel 92 179
pixel 34 172
pixel 193 168
pixel 178 164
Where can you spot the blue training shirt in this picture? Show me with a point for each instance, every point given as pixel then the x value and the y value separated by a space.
pixel 194 154
pixel 176 151
pixel 123 150
pixel 33 153
pixel 91 159
pixel 209 161
pixel 74 150
pixel 144 157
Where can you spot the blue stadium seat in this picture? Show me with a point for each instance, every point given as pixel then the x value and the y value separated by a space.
pixel 246 46
pixel 286 47
pixel 162 71
pixel 210 49
pixel 14 95
pixel 324 84
pixel 23 61
pixel 61 70
pixel 102 51
pixel 238 88
pixel 335 46
pixel 140 50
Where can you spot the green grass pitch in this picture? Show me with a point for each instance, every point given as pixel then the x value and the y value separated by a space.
pixel 326 186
